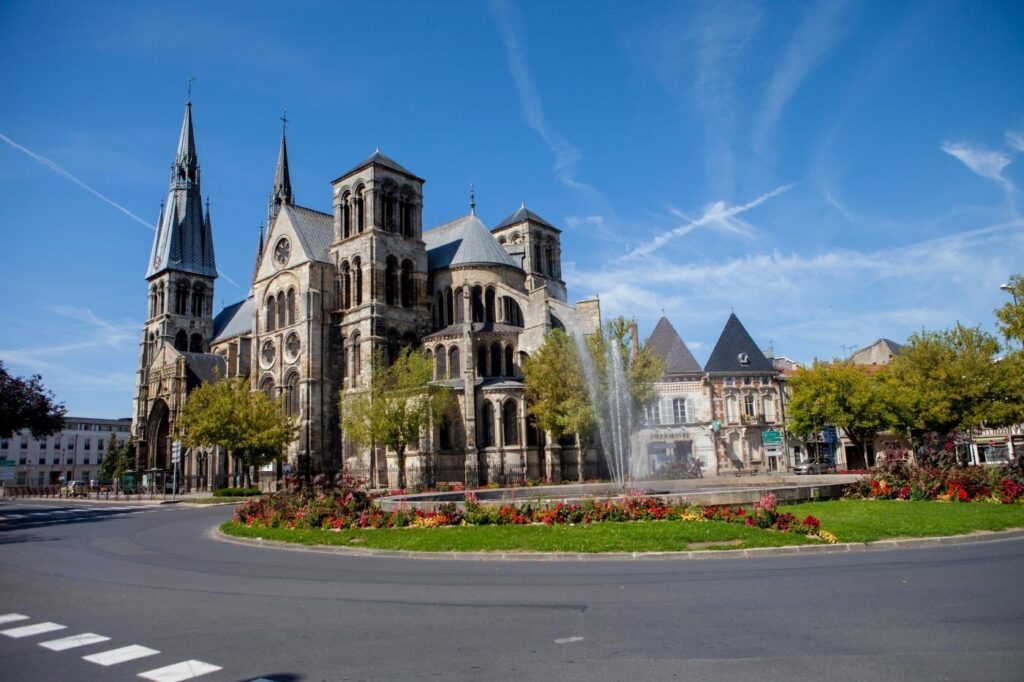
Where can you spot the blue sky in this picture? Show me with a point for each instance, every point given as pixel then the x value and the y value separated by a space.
pixel 833 172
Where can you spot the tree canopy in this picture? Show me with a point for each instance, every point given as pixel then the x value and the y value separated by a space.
pixel 1011 315
pixel 246 423
pixel 557 388
pixel 118 459
pixel 397 406
pixel 840 394
pixel 953 380
pixel 24 403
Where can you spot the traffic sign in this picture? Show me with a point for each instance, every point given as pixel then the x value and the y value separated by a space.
pixel 176 452
pixel 771 437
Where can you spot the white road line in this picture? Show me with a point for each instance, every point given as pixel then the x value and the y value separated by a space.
pixel 185 670
pixel 125 653
pixel 568 640
pixel 12 617
pixel 30 630
pixel 73 641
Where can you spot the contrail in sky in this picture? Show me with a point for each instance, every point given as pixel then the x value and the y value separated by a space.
pixel 68 176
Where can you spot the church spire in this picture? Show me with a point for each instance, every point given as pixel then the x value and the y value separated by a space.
pixel 282 191
pixel 186 163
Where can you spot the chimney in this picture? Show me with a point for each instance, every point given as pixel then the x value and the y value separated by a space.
pixel 635 340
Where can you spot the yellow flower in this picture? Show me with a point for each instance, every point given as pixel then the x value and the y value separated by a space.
pixel 828 537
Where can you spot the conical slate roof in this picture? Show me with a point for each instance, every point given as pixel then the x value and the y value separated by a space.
pixel 184 238
pixel 523 214
pixel 669 345
pixel 736 351
pixel 464 241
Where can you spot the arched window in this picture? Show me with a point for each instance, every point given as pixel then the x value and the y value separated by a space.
pixel 346 216
pixel 196 344
pixel 282 318
pixel 291 394
pixel 408 293
pixel 495 360
pixel 181 340
pixel 489 298
pixel 357 271
pixel 346 286
pixel 438 311
pixel 356 364
pixel 391 281
pixel 271 308
pixel 550 253
pixel 459 302
pixel 360 210
pixel 267 386
pixel 454 366
pixel 513 313
pixel 444 434
pixel 442 359
pixel 510 369
pixel 162 303
pixel 537 263
pixel 152 302
pixel 291 306
pixel 532 431
pixel 449 306
pixel 481 361
pixel 510 421
pixel 477 304
pixel 198 299
pixel 487 425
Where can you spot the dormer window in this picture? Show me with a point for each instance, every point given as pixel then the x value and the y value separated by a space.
pixel 743 358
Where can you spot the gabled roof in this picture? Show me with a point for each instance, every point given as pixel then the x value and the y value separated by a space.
pixel 523 214
pixel 380 160
pixel 206 367
pixel 314 229
pixel 233 320
pixel 734 347
pixel 464 241
pixel 878 353
pixel 667 343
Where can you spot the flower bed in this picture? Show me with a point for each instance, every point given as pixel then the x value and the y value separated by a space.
pixel 900 480
pixel 346 505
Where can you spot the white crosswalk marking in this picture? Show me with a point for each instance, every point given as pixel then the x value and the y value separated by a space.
pixel 12 618
pixel 125 653
pixel 73 641
pixel 30 630
pixel 185 670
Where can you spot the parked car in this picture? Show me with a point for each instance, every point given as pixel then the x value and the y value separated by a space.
pixel 812 466
pixel 74 489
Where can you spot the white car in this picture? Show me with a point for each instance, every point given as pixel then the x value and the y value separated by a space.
pixel 74 489
pixel 812 466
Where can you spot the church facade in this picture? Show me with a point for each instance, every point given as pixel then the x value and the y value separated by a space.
pixel 329 288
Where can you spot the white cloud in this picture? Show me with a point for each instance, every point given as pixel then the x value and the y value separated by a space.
pixel 1015 138
pixel 985 162
pixel 819 31
pixel 718 215
pixel 838 205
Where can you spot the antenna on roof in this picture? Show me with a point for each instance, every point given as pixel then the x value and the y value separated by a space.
pixel 472 200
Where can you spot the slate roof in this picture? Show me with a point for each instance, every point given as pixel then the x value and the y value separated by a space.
pixel 233 320
pixel 184 237
pixel 464 241
pixel 522 214
pixel 380 160
pixel 666 342
pixel 314 229
pixel 207 367
pixel 733 343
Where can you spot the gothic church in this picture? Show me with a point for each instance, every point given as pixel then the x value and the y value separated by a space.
pixel 328 288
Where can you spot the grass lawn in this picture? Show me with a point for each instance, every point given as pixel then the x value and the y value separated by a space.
pixel 869 520
pixel 849 520
pixel 662 536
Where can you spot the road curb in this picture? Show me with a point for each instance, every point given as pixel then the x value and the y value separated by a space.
pixel 752 553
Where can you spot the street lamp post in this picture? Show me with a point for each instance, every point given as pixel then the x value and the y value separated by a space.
pixel 1009 289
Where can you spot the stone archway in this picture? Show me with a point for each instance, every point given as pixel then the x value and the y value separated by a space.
pixel 158 432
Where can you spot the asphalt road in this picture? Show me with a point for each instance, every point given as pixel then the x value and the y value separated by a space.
pixel 152 579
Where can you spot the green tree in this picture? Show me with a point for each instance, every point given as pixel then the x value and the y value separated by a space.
pixel 557 391
pixel 24 403
pixel 119 458
pixel 839 394
pixel 1011 315
pixel 397 406
pixel 247 424
pixel 640 366
pixel 953 380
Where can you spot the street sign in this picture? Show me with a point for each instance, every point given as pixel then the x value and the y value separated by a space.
pixel 771 437
pixel 7 463
pixel 829 434
pixel 176 452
